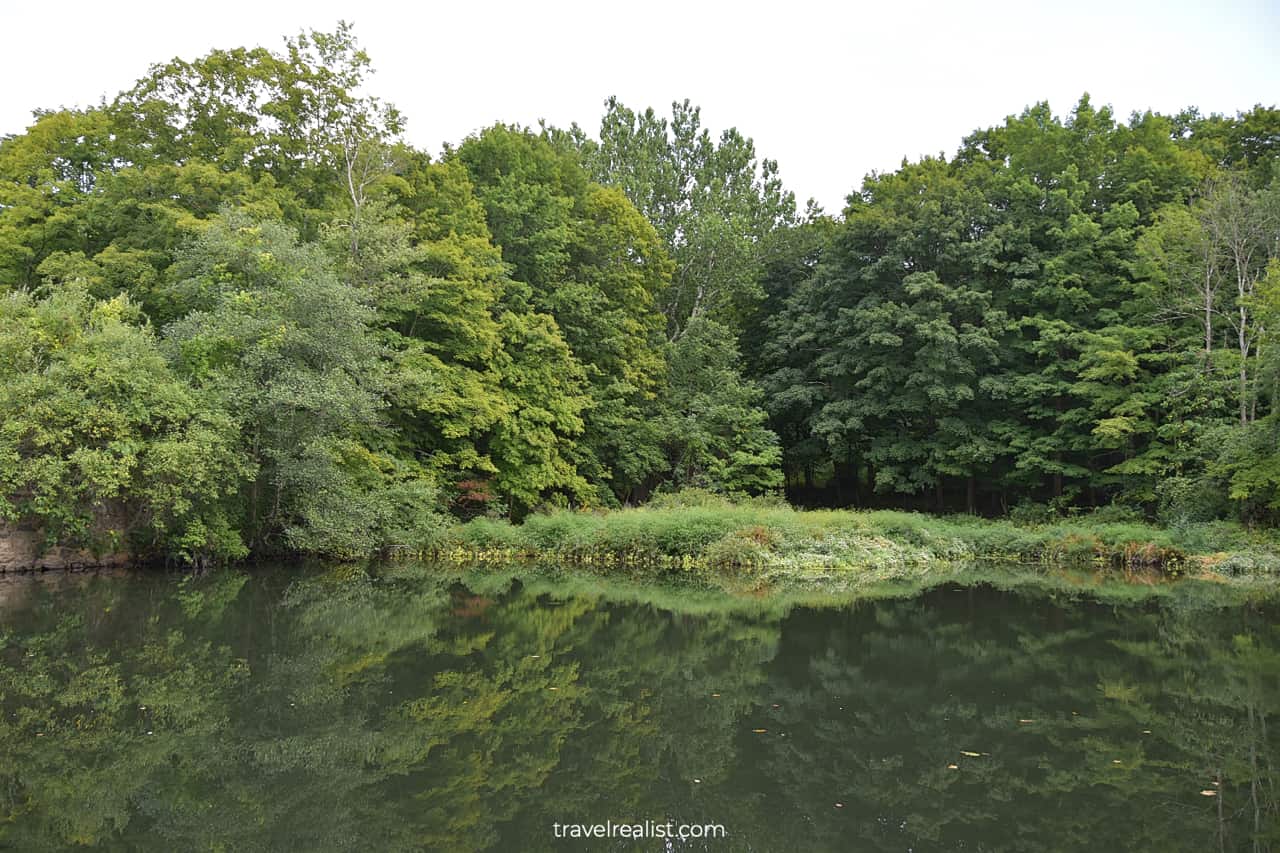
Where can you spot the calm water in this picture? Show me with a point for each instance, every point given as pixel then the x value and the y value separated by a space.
pixel 338 710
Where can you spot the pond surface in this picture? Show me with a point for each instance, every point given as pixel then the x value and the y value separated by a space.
pixel 334 709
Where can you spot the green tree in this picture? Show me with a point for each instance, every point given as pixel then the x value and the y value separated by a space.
pixel 581 253
pixel 716 430
pixel 714 204
pixel 279 340
pixel 102 445
pixel 485 393
pixel 295 115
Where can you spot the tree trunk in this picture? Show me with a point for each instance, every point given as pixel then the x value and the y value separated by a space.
pixel 1208 316
pixel 1244 369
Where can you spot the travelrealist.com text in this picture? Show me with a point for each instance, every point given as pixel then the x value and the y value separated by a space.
pixel 645 829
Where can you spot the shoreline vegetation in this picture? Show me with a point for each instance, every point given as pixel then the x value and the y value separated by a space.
pixel 768 542
pixel 763 547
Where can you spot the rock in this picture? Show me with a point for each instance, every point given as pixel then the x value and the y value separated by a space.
pixel 20 547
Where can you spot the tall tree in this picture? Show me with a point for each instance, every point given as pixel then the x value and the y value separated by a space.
pixel 714 203
pixel 280 341
pixel 581 253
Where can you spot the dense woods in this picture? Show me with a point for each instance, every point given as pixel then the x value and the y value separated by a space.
pixel 241 316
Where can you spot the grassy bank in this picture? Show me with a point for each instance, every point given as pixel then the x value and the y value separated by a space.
pixel 703 532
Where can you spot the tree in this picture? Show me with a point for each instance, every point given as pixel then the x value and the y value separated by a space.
pixel 275 337
pixel 714 204
pixel 463 358
pixel 294 115
pixel 582 254
pixel 1244 226
pixel 886 351
pixel 716 431
pixel 102 445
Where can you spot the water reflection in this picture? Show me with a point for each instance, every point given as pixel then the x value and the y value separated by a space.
pixel 336 710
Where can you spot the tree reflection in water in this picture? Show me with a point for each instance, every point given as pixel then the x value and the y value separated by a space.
pixel 410 709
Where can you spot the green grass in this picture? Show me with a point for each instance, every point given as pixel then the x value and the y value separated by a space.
pixel 767 539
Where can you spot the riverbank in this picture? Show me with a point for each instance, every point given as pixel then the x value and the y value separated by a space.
pixel 771 541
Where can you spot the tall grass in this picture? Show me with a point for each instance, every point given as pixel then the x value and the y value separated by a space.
pixel 705 531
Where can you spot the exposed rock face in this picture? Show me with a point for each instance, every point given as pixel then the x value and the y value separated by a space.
pixel 20 548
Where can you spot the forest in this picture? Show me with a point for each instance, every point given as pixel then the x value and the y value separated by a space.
pixel 241 316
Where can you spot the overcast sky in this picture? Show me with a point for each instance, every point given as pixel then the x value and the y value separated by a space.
pixel 831 91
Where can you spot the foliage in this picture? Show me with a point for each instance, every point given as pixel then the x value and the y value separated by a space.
pixel 317 339
pixel 716 430
pixel 100 439
pixel 275 337
pixel 1068 310
pixel 701 530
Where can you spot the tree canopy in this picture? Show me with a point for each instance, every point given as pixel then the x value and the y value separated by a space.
pixel 242 315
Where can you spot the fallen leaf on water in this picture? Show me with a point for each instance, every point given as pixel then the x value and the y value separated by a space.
pixel 759 731
pixel 1208 792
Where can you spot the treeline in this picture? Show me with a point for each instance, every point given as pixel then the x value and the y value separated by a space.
pixel 243 316
pixel 1072 312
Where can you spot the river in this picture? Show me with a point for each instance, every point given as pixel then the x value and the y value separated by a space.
pixel 408 708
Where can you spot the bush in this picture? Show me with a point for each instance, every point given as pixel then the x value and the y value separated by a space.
pixel 1028 514
pixel 1181 500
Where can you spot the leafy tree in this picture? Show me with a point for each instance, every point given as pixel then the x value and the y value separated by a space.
pixel 278 339
pixel 481 391
pixel 893 335
pixel 102 445
pixel 294 115
pixel 716 430
pixel 589 260
pixel 714 204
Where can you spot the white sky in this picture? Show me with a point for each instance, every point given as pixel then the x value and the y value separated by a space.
pixel 831 91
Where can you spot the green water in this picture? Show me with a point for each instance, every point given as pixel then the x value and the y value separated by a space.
pixel 404 709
